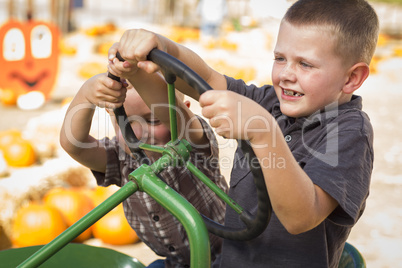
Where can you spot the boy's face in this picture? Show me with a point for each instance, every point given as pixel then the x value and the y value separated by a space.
pixel 145 125
pixel 307 75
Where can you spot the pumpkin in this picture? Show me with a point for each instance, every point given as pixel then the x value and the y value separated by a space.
pixel 17 151
pixel 227 45
pixel 67 49
pixel 114 229
pixel 103 48
pixel 89 69
pixel 8 136
pixel 3 167
pixel 36 224
pixel 247 73
pixel 101 29
pixel 374 64
pixel 383 40
pixel 100 193
pixel 182 34
pixel 29 54
pixel 398 51
pixel 73 204
pixel 8 96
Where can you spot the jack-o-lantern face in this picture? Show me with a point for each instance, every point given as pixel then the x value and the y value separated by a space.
pixel 29 55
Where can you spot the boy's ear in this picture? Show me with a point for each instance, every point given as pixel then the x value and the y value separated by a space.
pixel 358 73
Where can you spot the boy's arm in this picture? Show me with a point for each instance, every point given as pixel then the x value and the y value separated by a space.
pixel 299 204
pixel 74 135
pixel 134 47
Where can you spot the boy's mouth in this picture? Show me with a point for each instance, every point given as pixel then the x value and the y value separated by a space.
pixel 292 93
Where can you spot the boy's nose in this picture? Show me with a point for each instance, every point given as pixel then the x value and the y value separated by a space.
pixel 140 130
pixel 287 73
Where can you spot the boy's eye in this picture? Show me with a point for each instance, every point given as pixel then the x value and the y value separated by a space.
pixel 304 64
pixel 279 59
pixel 153 121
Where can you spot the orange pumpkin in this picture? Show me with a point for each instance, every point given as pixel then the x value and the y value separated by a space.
pixel 8 136
pixel 73 203
pixel 9 96
pixel 36 224
pixel 17 152
pixel 245 73
pixel 89 69
pixel 100 193
pixel 29 54
pixel 114 229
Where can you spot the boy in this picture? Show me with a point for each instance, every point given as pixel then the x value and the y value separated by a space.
pixel 111 163
pixel 309 121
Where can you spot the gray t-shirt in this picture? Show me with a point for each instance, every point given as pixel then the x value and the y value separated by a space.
pixel 335 148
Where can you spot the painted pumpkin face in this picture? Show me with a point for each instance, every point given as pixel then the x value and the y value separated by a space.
pixel 29 55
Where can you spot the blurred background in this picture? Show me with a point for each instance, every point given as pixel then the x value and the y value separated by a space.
pixel 49 48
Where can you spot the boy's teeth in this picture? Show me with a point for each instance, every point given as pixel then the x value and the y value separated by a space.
pixel 288 92
pixel 291 93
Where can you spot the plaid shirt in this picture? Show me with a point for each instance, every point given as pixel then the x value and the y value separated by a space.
pixel 156 226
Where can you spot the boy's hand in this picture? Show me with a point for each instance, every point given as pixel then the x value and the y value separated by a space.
pixel 105 92
pixel 235 116
pixel 134 47
pixel 123 69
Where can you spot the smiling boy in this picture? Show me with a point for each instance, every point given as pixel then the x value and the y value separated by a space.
pixel 309 118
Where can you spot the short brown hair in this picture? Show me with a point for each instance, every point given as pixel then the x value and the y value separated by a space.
pixel 354 22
